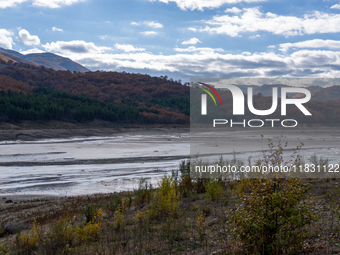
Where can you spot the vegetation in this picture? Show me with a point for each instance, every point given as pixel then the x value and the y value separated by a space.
pixel 155 99
pixel 46 104
pixel 220 216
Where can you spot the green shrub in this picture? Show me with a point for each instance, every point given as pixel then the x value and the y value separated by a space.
pixel 144 192
pixel 213 189
pixel 112 205
pixel 165 200
pixel 274 217
pixel 89 212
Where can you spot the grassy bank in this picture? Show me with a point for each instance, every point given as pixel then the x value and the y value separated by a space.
pixel 181 216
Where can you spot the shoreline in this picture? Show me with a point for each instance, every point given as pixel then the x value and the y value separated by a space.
pixel 39 134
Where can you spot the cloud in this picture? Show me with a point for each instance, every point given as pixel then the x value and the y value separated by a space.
pixel 196 62
pixel 233 10
pixel 253 20
pixel 316 43
pixel 74 47
pixel 6 40
pixel 27 39
pixel 254 36
pixel 41 3
pixel 336 6
pixel 193 40
pixel 57 29
pixel 149 33
pixel 201 50
pixel 193 29
pixel 271 47
pixel 10 3
pixel 152 24
pixel 34 50
pixel 128 47
pixel 54 3
pixel 204 4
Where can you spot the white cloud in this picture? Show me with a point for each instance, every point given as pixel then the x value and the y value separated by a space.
pixel 6 40
pixel 233 10
pixel 211 63
pixel 336 6
pixel 128 47
pixel 152 24
pixel 79 47
pixel 315 43
pixel 149 33
pixel 34 50
pixel 193 40
pixel 40 3
pixel 201 50
pixel 27 39
pixel 254 36
pixel 193 29
pixel 10 3
pixel 253 20
pixel 103 37
pixel 271 47
pixel 204 4
pixel 57 29
pixel 54 3
pixel 246 53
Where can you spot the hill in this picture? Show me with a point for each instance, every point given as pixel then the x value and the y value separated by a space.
pixel 157 100
pixel 49 60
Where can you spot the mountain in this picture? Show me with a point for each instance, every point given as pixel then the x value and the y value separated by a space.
pixel 48 60
pixel 157 99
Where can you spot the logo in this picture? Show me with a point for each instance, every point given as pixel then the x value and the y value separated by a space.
pixel 204 98
pixel 239 103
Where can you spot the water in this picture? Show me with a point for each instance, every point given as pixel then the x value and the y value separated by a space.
pixel 79 166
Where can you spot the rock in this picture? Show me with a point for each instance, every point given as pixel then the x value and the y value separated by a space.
pixel 212 221
pixel 9 202
pixel 3 198
pixel 12 227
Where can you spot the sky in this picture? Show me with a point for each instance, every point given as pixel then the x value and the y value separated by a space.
pixel 182 39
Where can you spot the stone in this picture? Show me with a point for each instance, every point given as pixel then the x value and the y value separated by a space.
pixel 12 227
pixel 212 221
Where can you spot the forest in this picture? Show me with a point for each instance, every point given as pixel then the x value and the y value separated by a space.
pixel 122 97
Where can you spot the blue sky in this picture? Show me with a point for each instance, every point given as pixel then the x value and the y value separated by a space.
pixel 181 38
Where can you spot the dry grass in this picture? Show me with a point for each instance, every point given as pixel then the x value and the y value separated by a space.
pixel 198 225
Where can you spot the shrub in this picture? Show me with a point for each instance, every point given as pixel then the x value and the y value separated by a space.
pixel 119 218
pixel 144 192
pixel 28 242
pixel 113 205
pixel 274 217
pixel 63 234
pixel 213 189
pixel 201 226
pixel 165 200
pixel 186 183
pixel 89 212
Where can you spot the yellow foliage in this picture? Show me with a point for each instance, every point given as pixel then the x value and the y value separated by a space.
pixel 165 201
pixel 31 240
pixel 119 218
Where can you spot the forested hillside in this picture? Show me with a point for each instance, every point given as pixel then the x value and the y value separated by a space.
pixel 156 100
